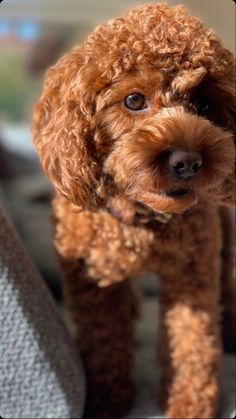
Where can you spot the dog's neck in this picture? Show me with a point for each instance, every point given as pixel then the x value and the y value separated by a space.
pixel 131 212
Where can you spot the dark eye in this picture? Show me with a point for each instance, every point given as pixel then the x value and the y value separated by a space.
pixel 201 105
pixel 135 102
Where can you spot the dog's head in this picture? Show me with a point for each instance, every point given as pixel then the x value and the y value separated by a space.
pixel 144 107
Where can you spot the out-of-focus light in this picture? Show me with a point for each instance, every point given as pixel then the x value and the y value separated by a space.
pixel 4 28
pixel 28 31
pixel 24 31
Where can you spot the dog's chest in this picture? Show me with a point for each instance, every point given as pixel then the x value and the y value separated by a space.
pixel 113 249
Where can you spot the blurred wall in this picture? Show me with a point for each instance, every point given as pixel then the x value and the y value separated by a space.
pixel 218 14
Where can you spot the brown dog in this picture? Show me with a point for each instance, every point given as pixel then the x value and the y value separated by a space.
pixel 135 130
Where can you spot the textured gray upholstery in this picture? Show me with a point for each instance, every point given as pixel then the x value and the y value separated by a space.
pixel 40 372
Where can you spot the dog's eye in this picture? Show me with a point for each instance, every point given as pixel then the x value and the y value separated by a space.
pixel 135 101
pixel 201 105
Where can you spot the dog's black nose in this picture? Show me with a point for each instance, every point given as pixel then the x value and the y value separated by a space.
pixel 184 164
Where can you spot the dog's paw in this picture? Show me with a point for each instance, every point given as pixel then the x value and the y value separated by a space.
pixel 192 406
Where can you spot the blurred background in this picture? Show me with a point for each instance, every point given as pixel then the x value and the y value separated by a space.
pixel 33 34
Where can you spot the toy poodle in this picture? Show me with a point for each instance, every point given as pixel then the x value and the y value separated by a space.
pixel 135 128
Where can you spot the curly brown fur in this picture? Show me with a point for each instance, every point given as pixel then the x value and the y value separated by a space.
pixel 110 167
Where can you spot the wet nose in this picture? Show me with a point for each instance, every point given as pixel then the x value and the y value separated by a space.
pixel 184 164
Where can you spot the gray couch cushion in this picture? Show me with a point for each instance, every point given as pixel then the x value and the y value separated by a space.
pixel 40 371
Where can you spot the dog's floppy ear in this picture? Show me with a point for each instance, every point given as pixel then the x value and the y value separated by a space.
pixel 62 129
pixel 224 193
pixel 227 102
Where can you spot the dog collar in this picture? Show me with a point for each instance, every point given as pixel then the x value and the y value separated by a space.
pixel 140 214
pixel 146 216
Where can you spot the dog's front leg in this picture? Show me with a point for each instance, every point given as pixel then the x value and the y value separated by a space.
pixel 104 322
pixel 190 344
pixel 190 381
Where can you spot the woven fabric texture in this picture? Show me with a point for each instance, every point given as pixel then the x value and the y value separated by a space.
pixel 40 372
